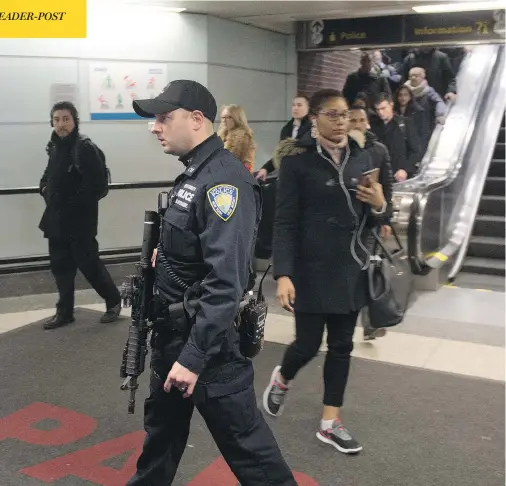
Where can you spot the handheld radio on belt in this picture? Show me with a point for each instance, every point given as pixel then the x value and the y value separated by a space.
pixel 251 322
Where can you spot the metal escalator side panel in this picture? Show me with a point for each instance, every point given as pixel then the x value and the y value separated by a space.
pixel 476 168
pixel 442 162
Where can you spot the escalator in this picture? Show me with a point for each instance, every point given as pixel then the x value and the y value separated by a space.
pixel 435 212
pixel 485 253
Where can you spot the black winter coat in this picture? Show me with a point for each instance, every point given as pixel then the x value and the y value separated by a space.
pixel 403 144
pixel 422 121
pixel 315 230
pixel 71 193
pixel 368 83
pixel 381 159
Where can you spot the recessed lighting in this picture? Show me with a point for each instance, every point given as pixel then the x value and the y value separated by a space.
pixel 458 7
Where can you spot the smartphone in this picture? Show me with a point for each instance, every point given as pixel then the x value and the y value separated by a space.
pixel 373 174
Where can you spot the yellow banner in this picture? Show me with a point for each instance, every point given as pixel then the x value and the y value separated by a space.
pixel 42 19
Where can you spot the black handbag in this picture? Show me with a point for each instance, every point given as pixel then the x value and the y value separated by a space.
pixel 390 284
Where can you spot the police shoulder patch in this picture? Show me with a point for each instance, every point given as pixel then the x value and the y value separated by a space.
pixel 223 199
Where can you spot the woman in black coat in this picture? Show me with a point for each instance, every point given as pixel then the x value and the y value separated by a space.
pixel 405 105
pixel 319 253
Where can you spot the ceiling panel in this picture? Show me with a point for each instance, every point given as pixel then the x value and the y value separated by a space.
pixel 281 16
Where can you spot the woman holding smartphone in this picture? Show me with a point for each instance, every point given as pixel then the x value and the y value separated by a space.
pixel 325 209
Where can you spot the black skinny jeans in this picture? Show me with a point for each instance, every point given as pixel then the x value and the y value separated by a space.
pixel 309 334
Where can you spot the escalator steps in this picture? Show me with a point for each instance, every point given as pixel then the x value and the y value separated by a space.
pixel 486 247
pixel 493 205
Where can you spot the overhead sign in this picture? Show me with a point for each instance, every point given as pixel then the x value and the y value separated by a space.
pixel 487 25
pixel 458 26
pixel 352 32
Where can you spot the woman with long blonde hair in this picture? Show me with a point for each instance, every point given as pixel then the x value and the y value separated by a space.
pixel 237 135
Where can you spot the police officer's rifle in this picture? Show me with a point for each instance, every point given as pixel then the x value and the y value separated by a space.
pixel 137 293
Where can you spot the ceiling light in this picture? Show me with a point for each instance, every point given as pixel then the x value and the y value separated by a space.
pixel 458 7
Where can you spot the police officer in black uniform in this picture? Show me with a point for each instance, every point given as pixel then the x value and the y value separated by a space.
pixel 207 236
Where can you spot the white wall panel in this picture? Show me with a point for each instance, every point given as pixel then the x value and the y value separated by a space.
pixel 133 153
pixel 234 44
pixel 40 47
pixel 291 54
pixel 25 86
pixel 121 217
pixel 145 34
pixel 261 94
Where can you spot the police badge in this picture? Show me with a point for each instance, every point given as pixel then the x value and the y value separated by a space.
pixel 223 199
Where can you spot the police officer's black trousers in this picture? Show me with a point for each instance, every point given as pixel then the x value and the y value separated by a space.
pixel 236 424
pixel 68 255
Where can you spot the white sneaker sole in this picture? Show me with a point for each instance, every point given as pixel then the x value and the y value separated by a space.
pixel 265 398
pixel 338 447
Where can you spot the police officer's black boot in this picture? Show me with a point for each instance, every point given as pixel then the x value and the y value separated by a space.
pixel 111 314
pixel 58 320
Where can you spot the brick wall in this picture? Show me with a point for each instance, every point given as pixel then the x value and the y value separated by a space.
pixel 323 70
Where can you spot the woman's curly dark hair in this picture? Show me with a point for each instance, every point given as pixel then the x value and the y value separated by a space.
pixel 321 97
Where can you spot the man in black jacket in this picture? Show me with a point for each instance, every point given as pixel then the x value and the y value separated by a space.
pixel 399 136
pixel 71 186
pixel 381 160
pixel 365 81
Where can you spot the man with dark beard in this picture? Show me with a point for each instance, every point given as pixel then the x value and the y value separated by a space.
pixel 72 184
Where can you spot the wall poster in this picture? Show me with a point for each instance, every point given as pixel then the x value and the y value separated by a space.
pixel 114 85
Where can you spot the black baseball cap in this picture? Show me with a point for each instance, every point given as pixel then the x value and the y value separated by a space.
pixel 182 93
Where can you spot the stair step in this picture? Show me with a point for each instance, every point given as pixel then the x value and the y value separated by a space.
pixel 495 186
pixel 493 205
pixel 484 266
pixel 489 225
pixel 480 281
pixel 497 168
pixel 486 247
pixel 499 151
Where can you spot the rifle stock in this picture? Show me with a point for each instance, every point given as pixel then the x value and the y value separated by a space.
pixel 137 293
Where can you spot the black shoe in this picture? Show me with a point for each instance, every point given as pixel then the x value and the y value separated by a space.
pixel 370 334
pixel 111 314
pixel 339 438
pixel 58 320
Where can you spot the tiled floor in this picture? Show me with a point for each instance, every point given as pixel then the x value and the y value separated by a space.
pixel 454 330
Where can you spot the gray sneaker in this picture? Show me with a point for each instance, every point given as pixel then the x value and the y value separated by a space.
pixel 339 438
pixel 274 395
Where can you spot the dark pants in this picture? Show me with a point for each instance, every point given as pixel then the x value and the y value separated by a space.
pixel 309 333
pixel 231 415
pixel 68 255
